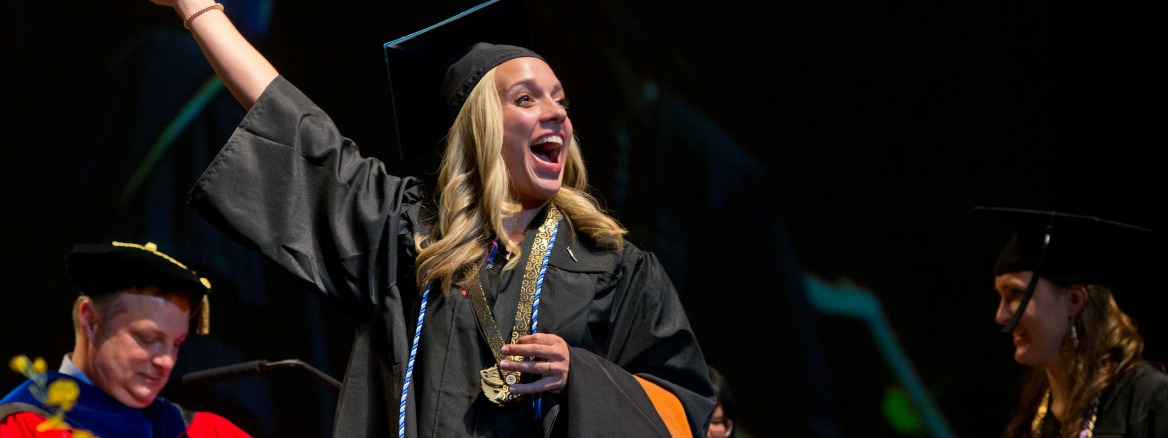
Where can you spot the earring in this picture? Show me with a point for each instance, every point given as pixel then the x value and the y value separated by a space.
pixel 1074 333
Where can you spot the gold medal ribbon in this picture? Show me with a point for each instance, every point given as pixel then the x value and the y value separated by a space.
pixel 496 383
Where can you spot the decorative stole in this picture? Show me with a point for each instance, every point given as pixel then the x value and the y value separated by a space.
pixel 496 383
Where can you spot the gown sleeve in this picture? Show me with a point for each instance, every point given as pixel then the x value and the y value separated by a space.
pixel 24 424
pixel 649 337
pixel 288 184
pixel 208 425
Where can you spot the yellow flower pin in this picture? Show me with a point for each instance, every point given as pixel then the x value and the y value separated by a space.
pixel 63 393
pixel 18 363
pixel 56 422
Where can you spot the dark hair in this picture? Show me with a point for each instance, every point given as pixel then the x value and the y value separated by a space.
pixel 724 397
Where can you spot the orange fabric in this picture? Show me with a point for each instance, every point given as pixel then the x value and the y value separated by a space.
pixel 24 424
pixel 668 407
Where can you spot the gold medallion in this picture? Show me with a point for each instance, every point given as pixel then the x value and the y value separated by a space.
pixel 497 388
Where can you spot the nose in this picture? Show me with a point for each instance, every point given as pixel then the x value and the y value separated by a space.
pixel 553 111
pixel 1004 312
pixel 165 362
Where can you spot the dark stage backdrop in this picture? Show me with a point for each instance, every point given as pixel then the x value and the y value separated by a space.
pixel 748 145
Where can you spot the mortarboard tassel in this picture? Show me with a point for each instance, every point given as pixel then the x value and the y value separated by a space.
pixel 204 325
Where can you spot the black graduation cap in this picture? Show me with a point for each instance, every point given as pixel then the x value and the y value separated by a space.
pixel 1077 248
pixel 431 70
pixel 104 268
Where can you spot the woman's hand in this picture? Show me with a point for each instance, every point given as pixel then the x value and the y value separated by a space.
pixel 549 359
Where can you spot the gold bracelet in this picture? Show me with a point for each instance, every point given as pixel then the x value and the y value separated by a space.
pixel 187 21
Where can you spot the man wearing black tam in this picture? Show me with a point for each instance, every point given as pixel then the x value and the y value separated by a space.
pixel 1087 376
pixel 133 313
pixel 504 302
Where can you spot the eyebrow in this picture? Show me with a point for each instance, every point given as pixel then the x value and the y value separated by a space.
pixel 156 332
pixel 1011 287
pixel 148 333
pixel 530 83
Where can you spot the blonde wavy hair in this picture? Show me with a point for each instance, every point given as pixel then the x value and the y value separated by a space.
pixel 474 195
pixel 1109 344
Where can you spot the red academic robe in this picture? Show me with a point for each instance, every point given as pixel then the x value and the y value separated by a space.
pixel 205 425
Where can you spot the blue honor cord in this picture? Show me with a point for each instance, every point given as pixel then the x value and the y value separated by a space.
pixel 401 408
pixel 537 402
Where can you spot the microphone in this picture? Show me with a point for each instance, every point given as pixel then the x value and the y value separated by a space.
pixel 252 368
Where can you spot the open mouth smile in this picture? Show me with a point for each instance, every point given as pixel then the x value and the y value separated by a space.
pixel 546 149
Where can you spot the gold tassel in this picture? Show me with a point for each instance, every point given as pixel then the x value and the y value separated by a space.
pixel 204 326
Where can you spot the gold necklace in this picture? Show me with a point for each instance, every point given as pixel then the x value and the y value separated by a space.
pixel 1088 430
pixel 1036 425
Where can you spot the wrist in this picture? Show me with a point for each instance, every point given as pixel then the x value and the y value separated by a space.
pixel 184 8
pixel 195 13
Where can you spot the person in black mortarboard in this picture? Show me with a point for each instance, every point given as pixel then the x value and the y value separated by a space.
pixel 134 311
pixel 502 302
pixel 1087 373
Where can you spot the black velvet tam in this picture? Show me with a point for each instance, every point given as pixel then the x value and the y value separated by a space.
pixel 103 268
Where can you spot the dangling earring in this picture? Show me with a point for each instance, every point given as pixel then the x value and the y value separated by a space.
pixel 1074 333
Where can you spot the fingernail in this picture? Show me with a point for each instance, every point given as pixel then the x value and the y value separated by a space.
pixel 504 364
pixel 506 349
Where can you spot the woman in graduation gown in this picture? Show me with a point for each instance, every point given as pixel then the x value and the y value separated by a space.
pixel 507 303
pixel 1086 375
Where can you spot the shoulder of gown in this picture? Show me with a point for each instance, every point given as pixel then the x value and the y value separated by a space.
pixel 1136 404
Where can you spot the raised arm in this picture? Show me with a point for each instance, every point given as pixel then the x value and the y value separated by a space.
pixel 244 71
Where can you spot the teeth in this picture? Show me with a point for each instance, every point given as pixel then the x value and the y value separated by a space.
pixel 549 139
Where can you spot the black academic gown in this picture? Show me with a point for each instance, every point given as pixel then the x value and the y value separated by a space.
pixel 288 184
pixel 1134 406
